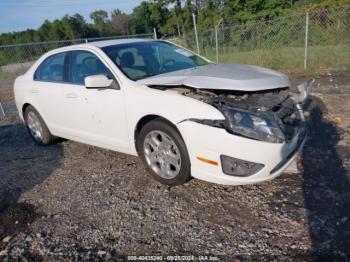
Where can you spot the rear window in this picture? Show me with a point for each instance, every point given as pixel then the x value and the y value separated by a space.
pixel 52 69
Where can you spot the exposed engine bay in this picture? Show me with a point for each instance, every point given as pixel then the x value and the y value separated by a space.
pixel 262 101
pixel 277 103
pixel 277 107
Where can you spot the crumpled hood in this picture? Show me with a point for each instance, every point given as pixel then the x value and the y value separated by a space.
pixel 222 77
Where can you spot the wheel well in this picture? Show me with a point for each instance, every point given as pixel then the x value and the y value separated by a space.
pixel 146 119
pixel 24 108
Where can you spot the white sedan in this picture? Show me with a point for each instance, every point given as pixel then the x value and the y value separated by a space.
pixel 183 115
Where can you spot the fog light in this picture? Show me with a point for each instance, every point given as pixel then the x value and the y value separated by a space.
pixel 237 167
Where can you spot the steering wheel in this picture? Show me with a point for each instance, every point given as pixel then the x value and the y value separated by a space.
pixel 166 63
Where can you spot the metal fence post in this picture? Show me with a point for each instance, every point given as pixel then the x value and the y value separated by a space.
pixel 306 40
pixel 154 33
pixel 216 40
pixel 195 31
pixel 2 110
pixel 216 44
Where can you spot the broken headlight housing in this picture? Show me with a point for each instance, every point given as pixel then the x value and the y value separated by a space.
pixel 252 125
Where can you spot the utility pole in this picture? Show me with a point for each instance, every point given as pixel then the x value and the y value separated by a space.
pixel 195 31
pixel 216 40
pixel 154 33
pixel 306 40
pixel 2 110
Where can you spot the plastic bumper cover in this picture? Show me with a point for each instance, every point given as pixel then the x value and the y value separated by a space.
pixel 210 142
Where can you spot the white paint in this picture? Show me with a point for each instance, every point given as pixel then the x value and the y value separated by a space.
pixel 293 168
pixel 97 81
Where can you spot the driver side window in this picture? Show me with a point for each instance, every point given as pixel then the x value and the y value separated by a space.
pixel 85 63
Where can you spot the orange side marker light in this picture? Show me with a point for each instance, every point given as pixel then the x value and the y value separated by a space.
pixel 208 161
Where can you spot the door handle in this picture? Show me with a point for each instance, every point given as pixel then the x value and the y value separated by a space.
pixel 71 95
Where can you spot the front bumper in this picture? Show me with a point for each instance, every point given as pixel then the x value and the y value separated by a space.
pixel 211 142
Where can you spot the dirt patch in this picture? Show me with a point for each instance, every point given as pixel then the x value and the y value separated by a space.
pixel 17 216
pixel 6 89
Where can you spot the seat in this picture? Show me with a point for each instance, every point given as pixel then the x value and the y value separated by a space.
pixel 152 64
pixel 56 72
pixel 127 59
pixel 90 66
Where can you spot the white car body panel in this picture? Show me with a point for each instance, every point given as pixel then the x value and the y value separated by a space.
pixel 108 117
pixel 88 113
pixel 214 142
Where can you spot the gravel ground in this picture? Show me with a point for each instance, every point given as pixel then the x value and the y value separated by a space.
pixel 71 201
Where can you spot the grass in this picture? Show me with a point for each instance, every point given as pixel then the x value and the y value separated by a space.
pixel 289 59
pixel 6 75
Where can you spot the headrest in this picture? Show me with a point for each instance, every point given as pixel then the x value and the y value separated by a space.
pixel 127 59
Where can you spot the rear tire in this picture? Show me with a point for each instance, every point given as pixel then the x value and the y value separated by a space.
pixel 164 153
pixel 37 128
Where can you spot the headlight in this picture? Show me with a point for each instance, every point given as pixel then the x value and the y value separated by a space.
pixel 252 125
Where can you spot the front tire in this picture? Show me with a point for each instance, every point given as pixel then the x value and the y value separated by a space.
pixel 37 128
pixel 164 153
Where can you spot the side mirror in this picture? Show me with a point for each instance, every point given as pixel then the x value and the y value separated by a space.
pixel 98 81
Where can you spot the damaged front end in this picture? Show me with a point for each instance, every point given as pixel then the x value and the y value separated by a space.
pixel 273 116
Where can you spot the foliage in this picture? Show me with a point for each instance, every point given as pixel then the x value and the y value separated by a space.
pixel 100 20
pixel 168 17
pixel 251 31
pixel 4 75
pixel 119 22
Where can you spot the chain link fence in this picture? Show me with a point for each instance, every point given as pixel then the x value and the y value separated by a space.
pixel 7 109
pixel 309 41
pixel 16 58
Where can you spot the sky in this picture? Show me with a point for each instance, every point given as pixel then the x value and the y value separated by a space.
pixel 18 15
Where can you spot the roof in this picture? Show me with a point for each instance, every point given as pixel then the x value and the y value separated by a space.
pixel 117 42
pixel 98 44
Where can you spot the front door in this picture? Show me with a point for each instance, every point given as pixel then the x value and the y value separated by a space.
pixel 95 116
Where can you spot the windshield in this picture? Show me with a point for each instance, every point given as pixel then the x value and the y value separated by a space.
pixel 144 59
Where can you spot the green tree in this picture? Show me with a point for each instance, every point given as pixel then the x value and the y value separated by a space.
pixel 187 15
pixel 141 19
pixel 171 17
pixel 210 14
pixel 99 17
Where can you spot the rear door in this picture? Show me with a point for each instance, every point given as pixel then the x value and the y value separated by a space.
pixel 49 78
